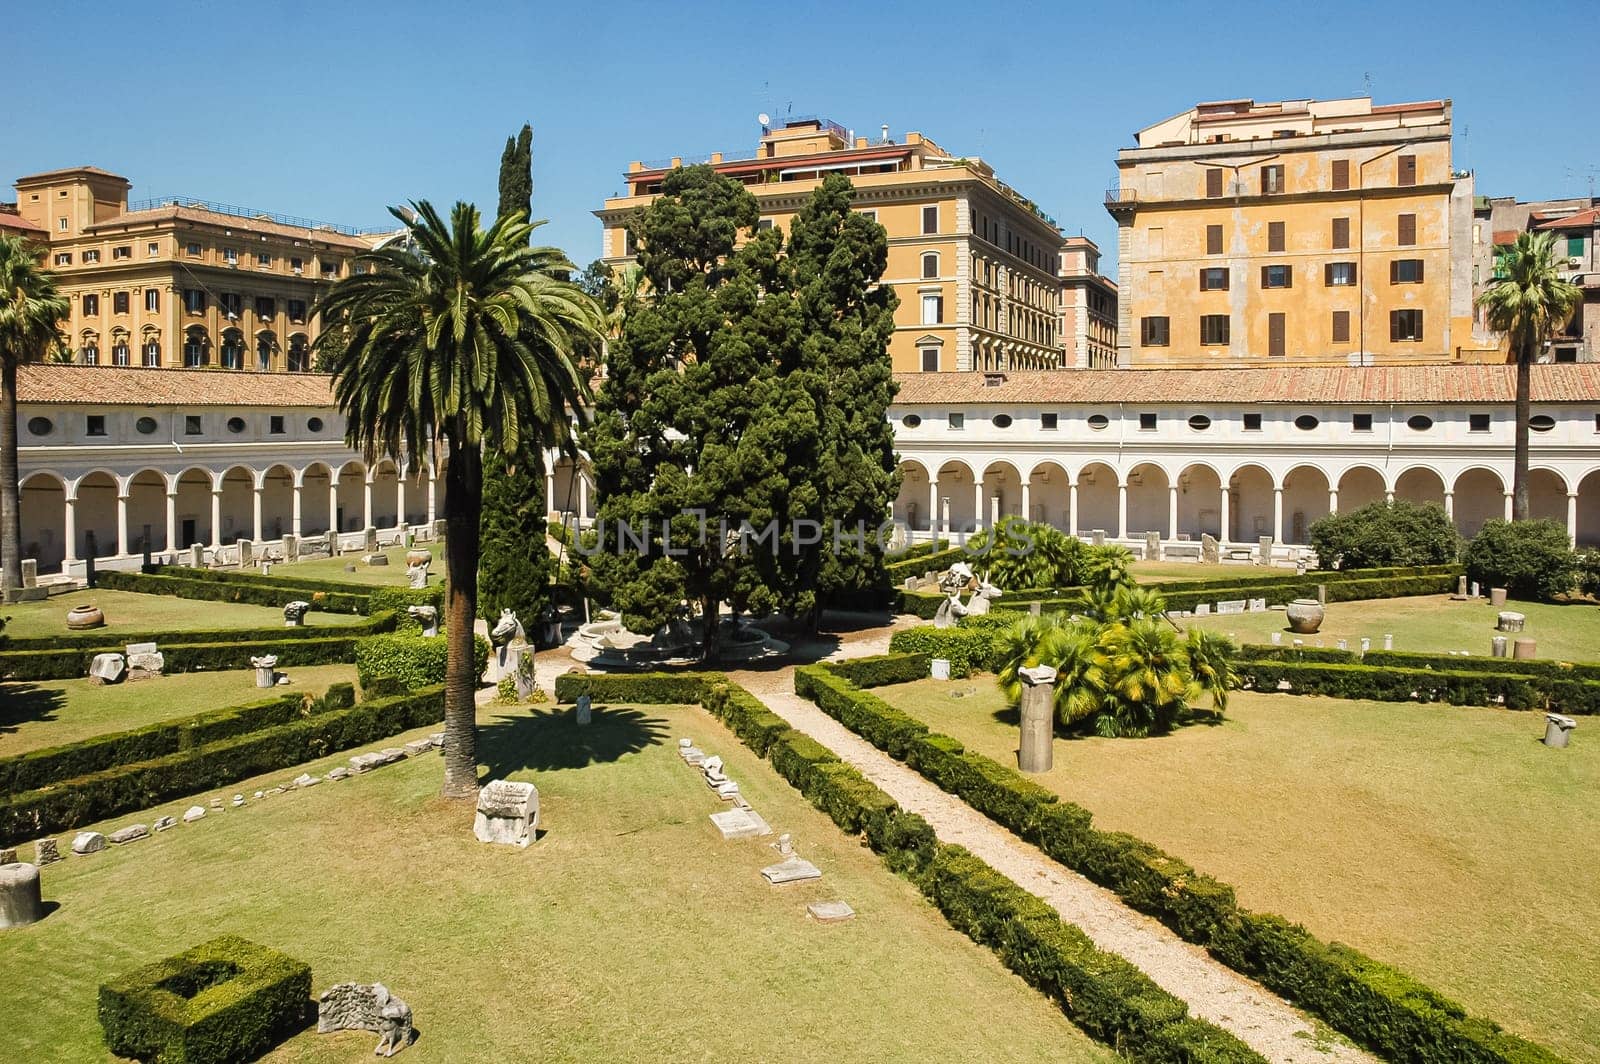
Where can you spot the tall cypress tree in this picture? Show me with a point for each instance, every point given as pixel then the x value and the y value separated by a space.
pixel 514 565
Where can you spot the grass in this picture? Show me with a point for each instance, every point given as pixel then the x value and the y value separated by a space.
pixel 1446 841
pixel 37 715
pixel 1150 571
pixel 131 612
pixel 630 931
pixel 391 575
pixel 1430 624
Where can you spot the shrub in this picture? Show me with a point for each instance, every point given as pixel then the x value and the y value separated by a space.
pixel 1530 559
pixel 932 562
pixel 411 659
pixel 645 688
pixel 1385 533
pixel 969 649
pixel 186 657
pixel 1471 685
pixel 223 1001
pixel 1022 553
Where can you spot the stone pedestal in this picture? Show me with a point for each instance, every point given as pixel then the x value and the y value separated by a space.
pixel 1497 597
pixel 266 670
pixel 30 572
pixel 197 555
pixel 1509 621
pixel 1388 641
pixel 1098 537
pixel 1152 546
pixel 1525 649
pixel 1264 548
pixel 247 553
pixel 1461 588
pixel 20 902
pixel 291 548
pixel 1036 751
pixel 1556 730
pixel 1497 646
pixel 584 711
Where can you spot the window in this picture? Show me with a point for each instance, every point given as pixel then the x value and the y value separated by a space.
pixel 91 303
pixel 63 258
pixel 152 300
pixel 230 256
pixel 930 219
pixel 764 223
pixel 930 264
pixel 297 311
pixel 1407 230
pixel 873 214
pixel 194 300
pixel 232 354
pixel 1341 233
pixel 1544 423
pixel 194 348
pixel 191 424
pixel 1479 423
pixel 91 256
pixel 90 354
pixel 1214 279
pixel 39 426
pixel 1049 420
pixel 1199 422
pixel 1306 422
pixel 119 302
pixel 930 359
pixel 236 424
pixel 1277 277
pixel 1419 422
pixel 1252 422
pixel 1154 332
pixel 299 357
pixel 297 265
pixel 150 353
pixel 1405 271
pixel 152 249
pixel 932 309
pixel 1275 238
pixel 1147 422
pixel 1361 422
pixel 1100 421
pixel 1341 174
pixel 1406 170
pixel 1574 245
pixel 263 258
pixel 1339 274
pixel 1271 180
pixel 314 424
pixel 911 421
pixel 266 307
pixel 231 304
pixel 193 249
pixel 1213 183
pixel 1405 325
pixel 125 251
pixel 956 421
pixel 1275 335
pixel 1341 326
pixel 1001 421
pixel 95 425
pixel 61 224
pixel 119 353
pixel 1213 240
pixel 1213 328
pixel 146 425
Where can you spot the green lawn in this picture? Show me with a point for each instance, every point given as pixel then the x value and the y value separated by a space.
pixel 1429 623
pixel 128 611
pixel 1150 572
pixel 1444 840
pixel 49 713
pixel 391 575
pixel 630 931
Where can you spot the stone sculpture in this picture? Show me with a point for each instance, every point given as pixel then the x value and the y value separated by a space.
pixel 427 616
pixel 266 670
pixel 417 576
pixel 45 851
pixel 960 578
pixel 366 1007
pixel 107 668
pixel 504 631
pixel 144 657
pixel 294 614
pixel 508 813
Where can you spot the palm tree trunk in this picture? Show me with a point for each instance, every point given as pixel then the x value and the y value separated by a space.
pixel 1519 469
pixel 10 492
pixel 463 505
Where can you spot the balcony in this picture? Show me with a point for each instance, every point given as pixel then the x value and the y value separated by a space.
pixel 1120 201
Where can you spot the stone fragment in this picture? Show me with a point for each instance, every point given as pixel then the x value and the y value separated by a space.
pixel 258 795
pixel 163 823
pixel 1509 621
pixel 1497 597
pixel 583 710
pixel 427 617
pixel 193 813
pixel 366 1007
pixel 830 912
pixel 508 813
pixel 376 759
pixel 727 790
pixel 306 779
pixel 238 800
pixel 792 870
pixel 375 559
pixel 418 746
pixel 294 613
pixel 87 842
pixel 45 851
pixel 740 823
pixel 338 773
pixel 20 903
pixel 216 803
pixel 107 668
pixel 266 667
pixel 131 833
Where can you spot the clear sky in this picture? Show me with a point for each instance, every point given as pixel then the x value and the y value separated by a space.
pixel 334 109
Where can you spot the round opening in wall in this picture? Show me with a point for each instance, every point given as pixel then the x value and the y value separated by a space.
pixel 1098 421
pixel 236 424
pixel 1002 421
pixel 1199 422
pixel 1419 422
pixel 1541 422
pixel 40 426
pixel 145 425
pixel 314 424
pixel 1305 422
pixel 911 421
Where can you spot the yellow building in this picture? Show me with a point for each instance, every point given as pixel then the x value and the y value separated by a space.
pixel 974 262
pixel 182 283
pixel 1088 307
pixel 1328 231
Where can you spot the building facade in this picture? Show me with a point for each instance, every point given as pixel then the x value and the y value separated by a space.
pixel 1311 231
pixel 975 263
pixel 1575 223
pixel 1088 307
pixel 182 282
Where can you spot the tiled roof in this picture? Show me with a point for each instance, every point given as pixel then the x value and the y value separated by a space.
pixel 1503 237
pixel 1566 382
pixel 51 383
pixel 253 225
pixel 17 223
pixel 1588 219
pixel 69 170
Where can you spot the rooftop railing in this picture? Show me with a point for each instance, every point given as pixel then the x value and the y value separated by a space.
pixel 233 210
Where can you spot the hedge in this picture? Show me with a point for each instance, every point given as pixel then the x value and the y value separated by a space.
pixel 1372 1003
pixel 224 1001
pixel 114 641
pixel 1549 669
pixel 1102 993
pixel 933 561
pixel 1460 687
pixel 411 659
pixel 968 649
pixel 226 586
pixel 40 768
pixel 113 791
pixel 325 649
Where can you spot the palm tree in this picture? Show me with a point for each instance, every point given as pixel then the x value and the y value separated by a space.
pixel 31 308
pixel 1211 665
pixel 1528 302
pixel 1147 678
pixel 464 341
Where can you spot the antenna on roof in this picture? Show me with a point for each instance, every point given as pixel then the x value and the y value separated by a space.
pixel 1366 77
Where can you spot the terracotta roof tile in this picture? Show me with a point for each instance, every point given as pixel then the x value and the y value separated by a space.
pixel 1582 220
pixel 52 383
pixel 17 223
pixel 95 170
pixel 1574 382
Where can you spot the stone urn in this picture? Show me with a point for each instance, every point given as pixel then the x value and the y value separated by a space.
pixel 1305 616
pixel 84 617
pixel 418 557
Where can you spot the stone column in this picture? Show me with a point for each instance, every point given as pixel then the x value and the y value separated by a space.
pixel 366 501
pixel 1036 752
pixel 216 518
pixel 1277 515
pixel 1072 508
pixel 1122 509
pixel 172 520
pixel 400 500
pixel 1172 511
pixel 122 523
pixel 19 895
pixel 977 503
pixel 333 514
pixel 1027 503
pixel 1227 501
pixel 69 530
pixel 1572 518
pixel 583 494
pixel 432 511
pixel 550 491
pixel 933 507
pixel 1450 505
pixel 1509 509
pixel 1388 496
pixel 256 531
pixel 294 522
pixel 1333 501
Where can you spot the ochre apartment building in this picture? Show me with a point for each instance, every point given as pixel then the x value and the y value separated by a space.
pixel 1307 231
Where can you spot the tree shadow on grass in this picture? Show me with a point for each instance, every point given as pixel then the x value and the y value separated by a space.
pixel 551 739
pixel 27 703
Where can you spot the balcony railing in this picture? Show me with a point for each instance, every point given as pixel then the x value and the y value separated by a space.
pixel 1129 196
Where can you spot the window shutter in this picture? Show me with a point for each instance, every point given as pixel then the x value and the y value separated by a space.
pixel 1275 236
pixel 1341 232
pixel 1419 271
pixel 1408 169
pixel 1288 277
pixel 1202 278
pixel 1263 277
pixel 1327 274
pixel 1225 274
pixel 1394 271
pixel 1213 183
pixel 1394 325
pixel 1341 174
pixel 1213 240
pixel 1341 326
pixel 1408 229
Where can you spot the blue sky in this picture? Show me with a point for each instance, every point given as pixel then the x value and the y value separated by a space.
pixel 332 110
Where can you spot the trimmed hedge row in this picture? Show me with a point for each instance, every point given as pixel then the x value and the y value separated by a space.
pixel 1549 669
pixel 325 649
pixel 255 594
pixel 1459 687
pixel 40 768
pixel 1372 1003
pixel 98 795
pixel 410 660
pixel 916 566
pixel 1102 993
pixel 102 641
pixel 968 650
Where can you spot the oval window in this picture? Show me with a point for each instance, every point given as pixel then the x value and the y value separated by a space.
pixel 236 424
pixel 40 426
pixel 314 424
pixel 1098 421
pixel 145 425
pixel 1002 421
pixel 1541 422
pixel 1305 422
pixel 910 421
pixel 1199 422
pixel 1419 422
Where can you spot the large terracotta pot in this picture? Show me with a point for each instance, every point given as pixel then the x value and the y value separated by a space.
pixel 1305 616
pixel 85 616
pixel 418 557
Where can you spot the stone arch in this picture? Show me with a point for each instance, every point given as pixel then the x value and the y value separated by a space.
pixel 299 358
pixel 1305 502
pixel 193 506
pixel 196 346
pixel 1547 496
pixel 385 478
pixel 1149 498
pixel 1477 496
pixel 314 481
pixel 266 347
pixel 231 350
pixel 94 498
pixel 147 511
pixel 1360 485
pixel 1199 501
pixel 1250 503
pixel 350 496
pixel 1097 500
pixel 277 501
pixel 1002 492
pixel 1420 484
pixel 1588 531
pixel 237 508
pixel 911 504
pixel 957 501
pixel 1049 496
pixel 44 519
